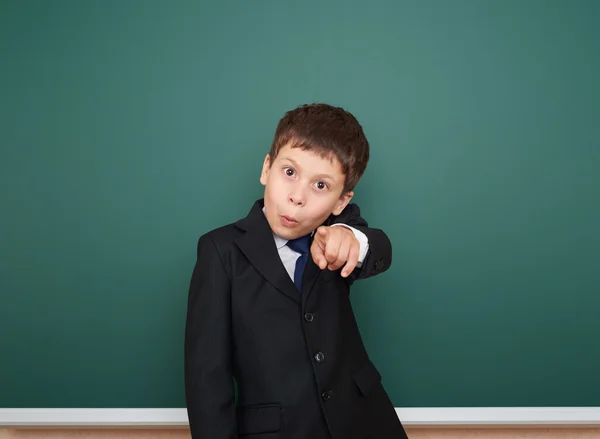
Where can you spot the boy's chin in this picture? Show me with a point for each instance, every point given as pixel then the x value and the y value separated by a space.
pixel 289 233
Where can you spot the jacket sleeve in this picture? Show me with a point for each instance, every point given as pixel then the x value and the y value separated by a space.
pixel 209 389
pixel 379 256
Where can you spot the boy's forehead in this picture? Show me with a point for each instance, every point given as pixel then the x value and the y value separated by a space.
pixel 313 161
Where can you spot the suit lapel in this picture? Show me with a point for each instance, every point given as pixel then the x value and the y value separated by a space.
pixel 311 274
pixel 258 245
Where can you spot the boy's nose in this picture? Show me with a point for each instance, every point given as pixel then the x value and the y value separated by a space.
pixel 296 198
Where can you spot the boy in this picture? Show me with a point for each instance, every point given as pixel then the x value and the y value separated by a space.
pixel 269 298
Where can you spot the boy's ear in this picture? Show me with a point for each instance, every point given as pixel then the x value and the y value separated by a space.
pixel 342 202
pixel 265 170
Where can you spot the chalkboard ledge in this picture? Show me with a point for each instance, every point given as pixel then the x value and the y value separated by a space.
pixel 427 417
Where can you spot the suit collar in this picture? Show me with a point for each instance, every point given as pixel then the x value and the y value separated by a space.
pixel 259 246
pixel 253 219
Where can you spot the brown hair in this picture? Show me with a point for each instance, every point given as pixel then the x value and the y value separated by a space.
pixel 326 130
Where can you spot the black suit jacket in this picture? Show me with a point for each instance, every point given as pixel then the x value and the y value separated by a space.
pixel 298 359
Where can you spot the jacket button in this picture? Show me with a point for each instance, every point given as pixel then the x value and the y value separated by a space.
pixel 319 357
pixel 309 317
pixel 326 396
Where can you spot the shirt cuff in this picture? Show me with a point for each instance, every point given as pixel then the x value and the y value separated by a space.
pixel 363 242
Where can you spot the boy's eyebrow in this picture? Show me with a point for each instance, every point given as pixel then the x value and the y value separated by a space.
pixel 290 160
pixel 318 176
pixel 325 176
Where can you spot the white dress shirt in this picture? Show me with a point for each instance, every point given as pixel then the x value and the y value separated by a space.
pixel 289 256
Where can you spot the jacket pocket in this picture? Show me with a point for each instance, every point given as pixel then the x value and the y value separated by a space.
pixel 367 378
pixel 259 419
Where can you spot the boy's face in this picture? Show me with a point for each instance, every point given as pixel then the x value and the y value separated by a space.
pixel 301 190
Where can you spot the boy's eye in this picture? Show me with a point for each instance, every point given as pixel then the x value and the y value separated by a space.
pixel 289 172
pixel 321 185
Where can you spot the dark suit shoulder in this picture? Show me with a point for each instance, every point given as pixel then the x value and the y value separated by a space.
pixel 223 235
pixel 215 245
pixel 221 241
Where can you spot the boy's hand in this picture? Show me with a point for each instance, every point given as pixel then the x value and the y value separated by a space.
pixel 333 247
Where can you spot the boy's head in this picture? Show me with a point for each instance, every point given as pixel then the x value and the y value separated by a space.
pixel 318 155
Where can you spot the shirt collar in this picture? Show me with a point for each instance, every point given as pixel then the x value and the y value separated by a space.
pixel 279 241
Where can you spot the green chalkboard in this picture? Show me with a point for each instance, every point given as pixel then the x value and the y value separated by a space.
pixel 130 128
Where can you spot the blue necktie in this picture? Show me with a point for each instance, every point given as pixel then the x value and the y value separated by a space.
pixel 300 245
